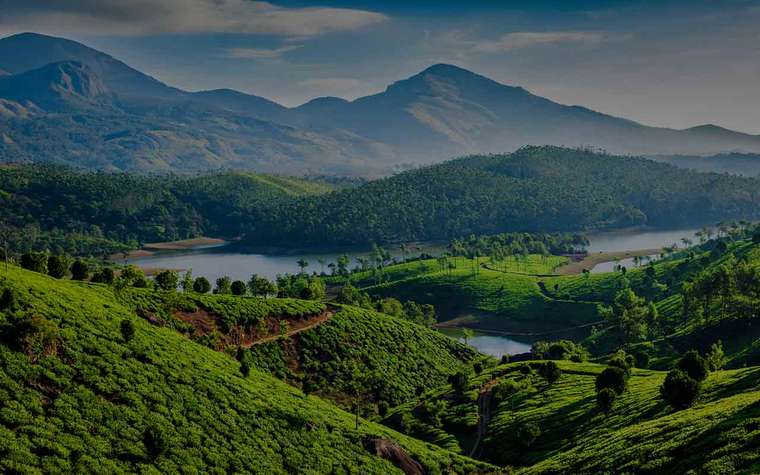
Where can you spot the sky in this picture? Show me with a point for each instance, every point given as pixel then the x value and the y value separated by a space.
pixel 664 63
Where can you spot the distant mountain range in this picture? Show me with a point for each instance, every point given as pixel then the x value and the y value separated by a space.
pixel 65 102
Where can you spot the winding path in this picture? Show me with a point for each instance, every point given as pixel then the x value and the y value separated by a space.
pixel 323 317
pixel 484 414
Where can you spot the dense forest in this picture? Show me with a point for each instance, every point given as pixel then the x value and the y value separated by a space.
pixel 534 189
pixel 546 189
pixel 67 210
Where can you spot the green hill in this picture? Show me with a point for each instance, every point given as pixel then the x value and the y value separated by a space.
pixel 81 395
pixel 533 189
pixel 640 435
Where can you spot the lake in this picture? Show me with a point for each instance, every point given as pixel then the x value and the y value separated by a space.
pixel 489 344
pixel 214 262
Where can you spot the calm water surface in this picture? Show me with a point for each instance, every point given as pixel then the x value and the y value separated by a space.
pixel 216 261
pixel 494 345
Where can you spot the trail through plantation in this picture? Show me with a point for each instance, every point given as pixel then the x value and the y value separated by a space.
pixel 484 414
pixel 298 327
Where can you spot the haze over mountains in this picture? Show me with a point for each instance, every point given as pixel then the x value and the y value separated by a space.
pixel 62 101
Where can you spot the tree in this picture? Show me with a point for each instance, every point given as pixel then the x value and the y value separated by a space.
pixel 550 371
pixel 187 281
pixel 104 276
pixel 201 285
pixel 127 330
pixel 605 399
pixel 79 270
pixel 132 275
pixel 238 287
pixel 57 266
pixel 715 357
pixel 35 261
pixel 223 285
pixel 613 378
pixel 679 390
pixel 261 286
pixel 302 264
pixel 167 280
pixel 390 306
pixel 694 365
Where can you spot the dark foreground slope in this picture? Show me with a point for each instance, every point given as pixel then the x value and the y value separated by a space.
pixel 80 397
pixel 535 188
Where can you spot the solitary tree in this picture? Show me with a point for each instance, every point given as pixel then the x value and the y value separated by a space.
pixel 302 264
pixel 238 287
pixel 694 365
pixel 167 280
pixel 57 266
pixel 223 285
pixel 201 285
pixel 679 390
pixel 467 334
pixel 613 378
pixel 80 270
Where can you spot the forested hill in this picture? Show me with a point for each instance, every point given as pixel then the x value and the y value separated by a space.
pixel 536 188
pixel 66 210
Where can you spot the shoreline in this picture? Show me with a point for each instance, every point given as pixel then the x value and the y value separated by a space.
pixel 152 248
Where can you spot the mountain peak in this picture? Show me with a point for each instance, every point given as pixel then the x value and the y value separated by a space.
pixel 443 69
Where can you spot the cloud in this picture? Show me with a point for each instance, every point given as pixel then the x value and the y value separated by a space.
pixel 260 53
pixel 527 39
pixel 144 17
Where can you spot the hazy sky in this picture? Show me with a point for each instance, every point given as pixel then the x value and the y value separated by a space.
pixel 669 63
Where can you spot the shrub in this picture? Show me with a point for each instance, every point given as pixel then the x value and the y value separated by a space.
pixel 201 285
pixel 104 276
pixel 504 359
pixel 57 266
pixel 550 371
pixel 694 365
pixel 528 433
pixel 559 350
pixel 642 359
pixel 238 288
pixel 613 378
pixel 504 390
pixel 37 337
pixel 167 280
pixel 79 270
pixel 140 283
pixel 605 399
pixel 35 261
pixel 477 367
pixel 127 330
pixel 679 389
pixel 8 300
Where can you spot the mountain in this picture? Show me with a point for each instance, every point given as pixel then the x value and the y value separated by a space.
pixel 57 86
pixel 150 127
pixel 446 110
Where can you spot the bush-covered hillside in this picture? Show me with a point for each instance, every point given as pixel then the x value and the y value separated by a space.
pixel 534 189
pixel 362 355
pixel 83 391
pixel 544 426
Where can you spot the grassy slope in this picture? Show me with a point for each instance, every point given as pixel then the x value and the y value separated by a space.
pixel 399 358
pixel 491 299
pixel 641 435
pixel 89 408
